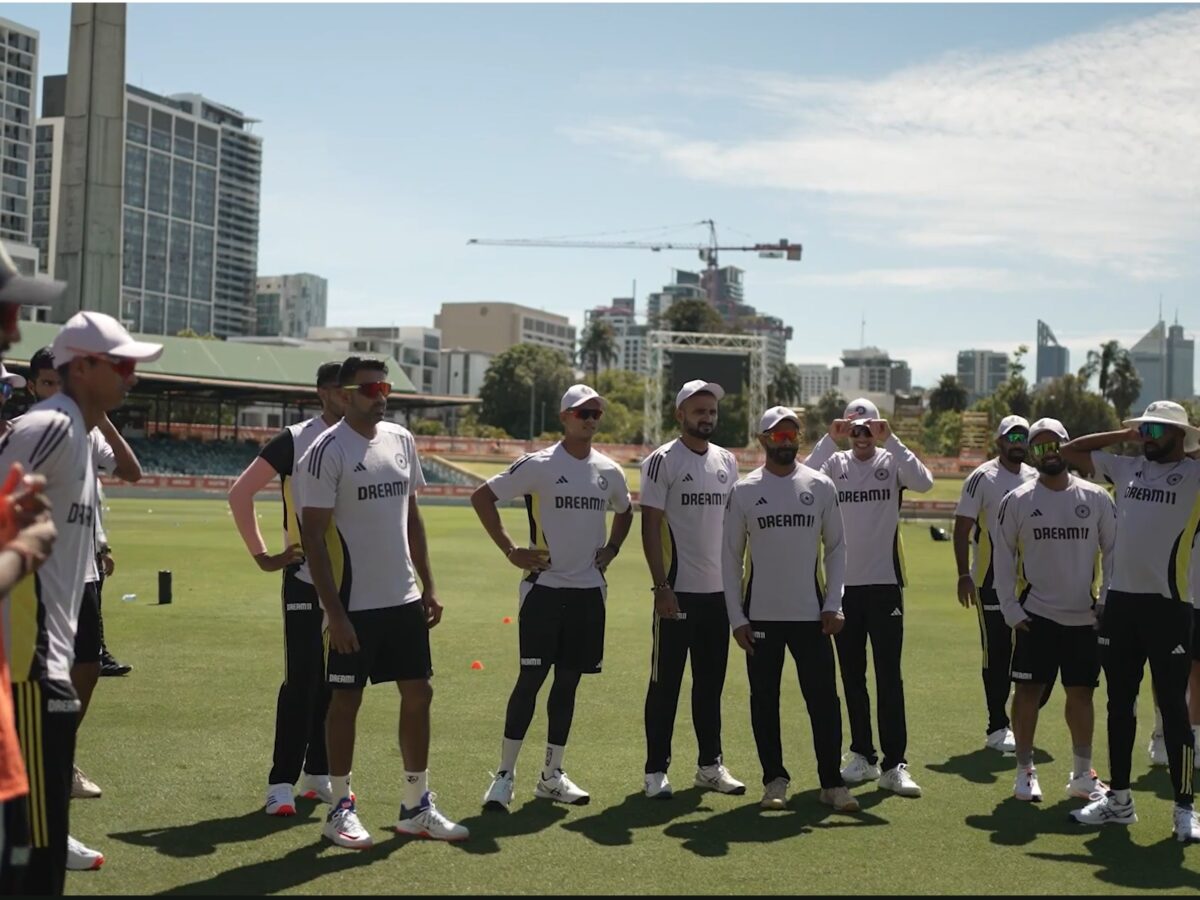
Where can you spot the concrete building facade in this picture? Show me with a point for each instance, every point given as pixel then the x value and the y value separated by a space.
pixel 494 327
pixel 289 305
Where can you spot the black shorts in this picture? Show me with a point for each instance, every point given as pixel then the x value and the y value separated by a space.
pixel 393 645
pixel 87 632
pixel 1048 648
pixel 1195 634
pixel 562 627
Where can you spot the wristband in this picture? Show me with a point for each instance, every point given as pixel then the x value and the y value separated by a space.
pixel 662 584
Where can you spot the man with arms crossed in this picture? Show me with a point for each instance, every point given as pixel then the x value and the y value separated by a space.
pixel 567 490
pixel 779 601
pixel 365 544
pixel 1146 613
pixel 1050 531
pixel 975 523
pixel 684 486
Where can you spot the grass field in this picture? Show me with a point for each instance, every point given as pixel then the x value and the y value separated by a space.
pixel 943 488
pixel 182 748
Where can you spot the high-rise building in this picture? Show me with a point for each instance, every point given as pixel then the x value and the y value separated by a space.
pixel 18 75
pixel 816 380
pixel 190 211
pixel 981 372
pixel 289 305
pixel 1053 360
pixel 494 327
pixel 628 336
pixel 870 370
pixel 1165 361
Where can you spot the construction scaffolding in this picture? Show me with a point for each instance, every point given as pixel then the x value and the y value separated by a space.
pixel 660 344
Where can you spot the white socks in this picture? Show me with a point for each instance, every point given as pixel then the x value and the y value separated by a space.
pixel 509 751
pixel 415 786
pixel 554 758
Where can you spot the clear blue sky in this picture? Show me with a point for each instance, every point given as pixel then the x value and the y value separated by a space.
pixel 954 172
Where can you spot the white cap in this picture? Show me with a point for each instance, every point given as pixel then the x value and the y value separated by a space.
pixel 91 333
pixel 1008 423
pixel 1053 426
pixel 1166 412
pixel 578 394
pixel 861 411
pixel 696 387
pixel 774 416
pixel 17 381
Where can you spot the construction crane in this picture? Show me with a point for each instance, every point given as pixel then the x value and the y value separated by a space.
pixel 784 249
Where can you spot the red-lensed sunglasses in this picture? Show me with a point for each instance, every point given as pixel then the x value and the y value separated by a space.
pixel 372 389
pixel 587 413
pixel 123 367
pixel 783 437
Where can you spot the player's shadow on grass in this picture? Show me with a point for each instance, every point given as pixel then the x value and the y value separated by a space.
pixel 748 824
pixel 203 838
pixel 1122 863
pixel 294 869
pixel 1015 823
pixel 614 826
pixel 1156 779
pixel 983 766
pixel 487 828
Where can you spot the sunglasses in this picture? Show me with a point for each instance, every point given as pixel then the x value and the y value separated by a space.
pixel 786 436
pixel 1152 430
pixel 587 413
pixel 1040 450
pixel 372 389
pixel 1015 437
pixel 123 367
pixel 860 431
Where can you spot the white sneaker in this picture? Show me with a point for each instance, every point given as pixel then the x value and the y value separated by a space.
pixel 82 787
pixel 1084 785
pixel 425 821
pixel 315 787
pixel 499 794
pixel 898 781
pixel 343 828
pixel 659 788
pixel 859 769
pixel 1157 748
pixel 84 859
pixel 840 799
pixel 1002 739
pixel 1026 786
pixel 717 778
pixel 775 794
pixel 1187 825
pixel 1104 810
pixel 280 801
pixel 561 789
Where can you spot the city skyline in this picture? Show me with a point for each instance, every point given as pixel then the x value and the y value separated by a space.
pixel 556 120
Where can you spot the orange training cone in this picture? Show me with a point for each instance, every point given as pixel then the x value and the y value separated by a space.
pixel 507 620
pixel 477 665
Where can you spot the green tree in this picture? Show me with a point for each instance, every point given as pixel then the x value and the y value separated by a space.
pixel 942 432
pixel 430 427
pixel 1116 376
pixel 597 347
pixel 784 387
pixel 511 378
pixel 731 422
pixel 622 386
pixel 1081 411
pixel 949 395
pixel 1012 397
pixel 817 418
pixel 694 316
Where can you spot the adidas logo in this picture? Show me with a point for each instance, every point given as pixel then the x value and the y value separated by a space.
pixel 843 477
pixel 896 612
pixel 359 467
pixel 1178 650
pixel 562 479
pixel 762 501
pixel 1035 514
pixel 688 477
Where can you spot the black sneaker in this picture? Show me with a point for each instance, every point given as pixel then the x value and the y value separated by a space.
pixel 109 665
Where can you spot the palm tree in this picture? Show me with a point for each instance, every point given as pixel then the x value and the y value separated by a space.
pixel 597 347
pixel 785 386
pixel 1116 375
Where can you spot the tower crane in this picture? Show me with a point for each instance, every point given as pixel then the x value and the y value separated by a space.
pixel 783 249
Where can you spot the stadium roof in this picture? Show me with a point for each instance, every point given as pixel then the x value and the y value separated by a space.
pixel 231 370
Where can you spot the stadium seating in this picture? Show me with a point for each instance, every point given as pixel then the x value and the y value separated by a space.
pixel 164 455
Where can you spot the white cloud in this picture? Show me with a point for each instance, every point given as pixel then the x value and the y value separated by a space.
pixel 1080 150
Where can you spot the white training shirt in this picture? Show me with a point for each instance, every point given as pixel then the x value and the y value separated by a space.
pixel 869 493
pixel 1158 513
pixel 105 462
pixel 43 614
pixel 1046 547
pixel 793 526
pixel 282 453
pixel 691 489
pixel 567 500
pixel 367 484
pixel 981 495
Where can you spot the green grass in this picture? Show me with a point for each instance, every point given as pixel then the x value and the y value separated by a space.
pixel 182 749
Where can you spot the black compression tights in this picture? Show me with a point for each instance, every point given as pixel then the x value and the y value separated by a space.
pixel 560 707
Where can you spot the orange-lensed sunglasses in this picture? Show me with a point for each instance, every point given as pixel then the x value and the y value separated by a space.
pixel 372 389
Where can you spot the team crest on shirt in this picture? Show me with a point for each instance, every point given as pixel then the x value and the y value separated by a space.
pixel 1174 478
pixel 400 460
pixel 603 482
pixel 807 499
pixel 721 476
pixel 1083 510
pixel 882 474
